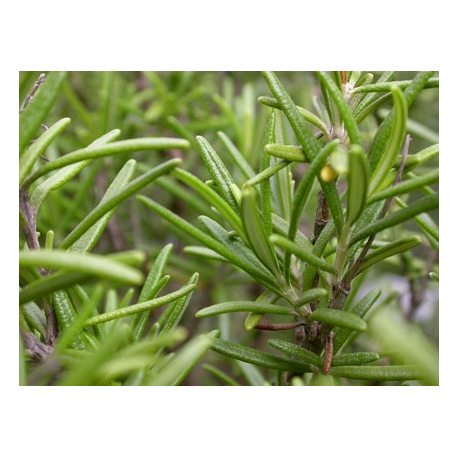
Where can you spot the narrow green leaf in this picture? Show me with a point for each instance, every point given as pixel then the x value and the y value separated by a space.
pixel 205 253
pixel 34 317
pixel 303 132
pixel 394 143
pixel 180 307
pixel 88 240
pixel 422 205
pixel 218 170
pixel 255 231
pixel 89 264
pixel 391 249
pixel 295 351
pixel 387 86
pixel 213 199
pixel 243 306
pixel 119 147
pixel 301 253
pixel 105 206
pixel 62 280
pixel 31 155
pixel 36 111
pixel 344 336
pixel 381 373
pixel 357 183
pixel 338 318
pixel 252 320
pixel 238 158
pixel 355 359
pixel 307 115
pixel 65 174
pixel 258 358
pixel 140 307
pixel 407 186
pixel 310 296
pixel 379 144
pixel 344 110
pixel 291 153
pixel 267 173
pixel 183 362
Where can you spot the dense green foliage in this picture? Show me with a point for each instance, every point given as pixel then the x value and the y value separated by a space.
pixel 229 228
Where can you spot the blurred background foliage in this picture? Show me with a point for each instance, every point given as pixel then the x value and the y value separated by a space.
pixel 186 104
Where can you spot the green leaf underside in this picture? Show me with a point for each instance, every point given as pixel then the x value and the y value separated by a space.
pixel 243 306
pixel 381 373
pixel 258 358
pixel 295 351
pixel 355 359
pixel 338 318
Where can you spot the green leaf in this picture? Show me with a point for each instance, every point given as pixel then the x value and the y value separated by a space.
pixel 63 280
pixel 88 240
pixel 229 381
pixel 303 132
pixel 183 362
pixel 89 264
pixel 243 306
pixel 305 255
pixel 391 249
pixel 37 110
pixel 381 373
pixel 407 186
pixel 106 205
pixel 387 86
pixel 110 149
pixel 357 183
pixel 422 205
pixel 180 307
pixel 310 296
pixel 338 318
pixel 343 336
pixel 218 171
pixel 212 198
pixel 256 232
pixel 258 358
pixel 295 351
pixel 290 153
pixel 355 359
pixel 266 173
pixel 140 307
pixel 344 110
pixel 31 155
pixel 65 174
pixel 394 142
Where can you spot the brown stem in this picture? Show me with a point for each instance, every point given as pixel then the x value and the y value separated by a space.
pixel 278 327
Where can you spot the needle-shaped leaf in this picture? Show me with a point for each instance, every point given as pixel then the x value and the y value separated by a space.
pixel 380 373
pixel 300 127
pixel 355 359
pixel 31 155
pixel 357 183
pixel 213 199
pixel 291 153
pixel 238 158
pixel 422 205
pixel 256 232
pixel 295 351
pixel 140 307
pixel 258 358
pixel 305 255
pixel 386 86
pixel 88 240
pixel 104 207
pixel 90 264
pixel 338 318
pixel 65 174
pixel 35 112
pixel 394 143
pixel 386 251
pixel 217 170
pixel 243 306
pixel 344 110
pixel 110 149
pixel 310 296
pixel 267 173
